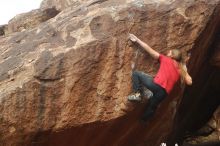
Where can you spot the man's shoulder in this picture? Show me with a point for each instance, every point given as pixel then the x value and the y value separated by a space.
pixel 164 57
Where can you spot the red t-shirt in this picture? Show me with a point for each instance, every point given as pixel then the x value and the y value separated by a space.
pixel 168 73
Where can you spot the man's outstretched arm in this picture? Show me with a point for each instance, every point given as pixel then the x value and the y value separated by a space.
pixel 146 47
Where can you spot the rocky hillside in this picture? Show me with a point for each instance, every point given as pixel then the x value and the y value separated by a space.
pixel 65 72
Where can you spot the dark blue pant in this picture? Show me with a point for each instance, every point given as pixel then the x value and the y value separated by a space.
pixel 140 79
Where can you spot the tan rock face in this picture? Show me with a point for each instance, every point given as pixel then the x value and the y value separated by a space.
pixel 31 19
pixel 62 4
pixel 65 81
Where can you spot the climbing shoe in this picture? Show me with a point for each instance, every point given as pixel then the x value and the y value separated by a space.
pixel 134 96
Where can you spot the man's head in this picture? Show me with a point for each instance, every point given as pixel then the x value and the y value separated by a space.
pixel 175 54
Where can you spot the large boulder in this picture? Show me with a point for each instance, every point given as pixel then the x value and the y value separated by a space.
pixel 65 82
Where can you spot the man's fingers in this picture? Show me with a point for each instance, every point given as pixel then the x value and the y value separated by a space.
pixel 132 37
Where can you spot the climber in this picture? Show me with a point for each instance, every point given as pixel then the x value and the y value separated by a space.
pixel 171 69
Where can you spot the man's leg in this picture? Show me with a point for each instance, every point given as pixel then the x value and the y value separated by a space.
pixel 140 79
pixel 153 104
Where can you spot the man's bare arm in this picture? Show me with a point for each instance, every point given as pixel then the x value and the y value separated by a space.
pixel 187 78
pixel 146 47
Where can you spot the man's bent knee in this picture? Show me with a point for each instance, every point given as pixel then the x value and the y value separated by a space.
pixel 136 73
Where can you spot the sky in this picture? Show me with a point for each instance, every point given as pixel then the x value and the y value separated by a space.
pixel 10 8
